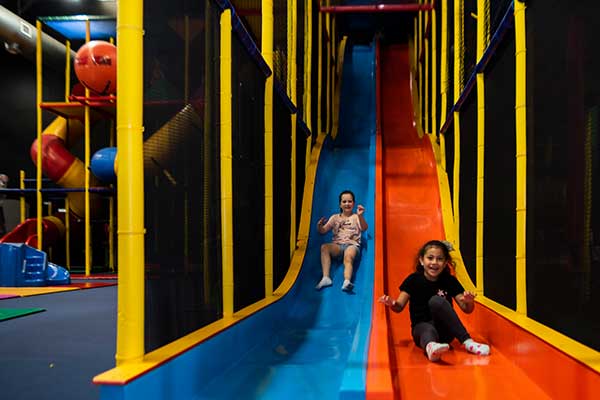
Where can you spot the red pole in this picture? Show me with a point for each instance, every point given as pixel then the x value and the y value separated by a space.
pixel 376 8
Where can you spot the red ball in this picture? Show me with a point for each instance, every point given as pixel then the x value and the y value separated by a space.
pixel 96 66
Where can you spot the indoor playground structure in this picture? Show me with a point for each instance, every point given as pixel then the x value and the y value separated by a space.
pixel 95 67
pixel 226 131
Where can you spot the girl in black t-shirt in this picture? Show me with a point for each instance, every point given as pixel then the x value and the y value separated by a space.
pixel 430 290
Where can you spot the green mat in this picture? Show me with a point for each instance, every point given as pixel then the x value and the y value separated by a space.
pixel 9 313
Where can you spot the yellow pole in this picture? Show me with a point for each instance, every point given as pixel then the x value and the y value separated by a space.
pixel 68 233
pixel 482 42
pixel 308 78
pixel 319 128
pixel 328 91
pixel 22 197
pixel 444 79
pixel 521 130
pixel 67 205
pixel 334 78
pixel 88 258
pixel 111 212
pixel 426 77
pixel 68 71
pixel 420 67
pixel 267 53
pixel 226 165
pixel 111 205
pixel 292 56
pixel 433 72
pixel 130 180
pixel 38 177
pixel 288 77
pixel 49 211
pixel 415 64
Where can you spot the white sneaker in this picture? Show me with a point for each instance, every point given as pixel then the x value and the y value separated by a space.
pixel 434 350
pixel 325 281
pixel 347 286
pixel 477 348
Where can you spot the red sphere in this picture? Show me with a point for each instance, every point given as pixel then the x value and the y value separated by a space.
pixel 96 66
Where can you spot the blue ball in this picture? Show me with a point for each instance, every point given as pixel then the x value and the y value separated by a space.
pixel 103 164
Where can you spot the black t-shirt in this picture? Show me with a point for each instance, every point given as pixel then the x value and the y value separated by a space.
pixel 421 290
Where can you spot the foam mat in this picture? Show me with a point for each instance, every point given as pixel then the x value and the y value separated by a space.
pixel 32 291
pixel 10 313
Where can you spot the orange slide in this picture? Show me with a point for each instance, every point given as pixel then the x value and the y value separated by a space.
pixel 408 215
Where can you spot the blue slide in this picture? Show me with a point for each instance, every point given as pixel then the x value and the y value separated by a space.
pixel 310 344
pixel 23 265
pixel 316 346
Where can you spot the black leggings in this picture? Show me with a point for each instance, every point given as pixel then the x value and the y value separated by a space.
pixel 444 327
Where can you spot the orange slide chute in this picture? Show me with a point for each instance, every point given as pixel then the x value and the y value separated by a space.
pixel 409 214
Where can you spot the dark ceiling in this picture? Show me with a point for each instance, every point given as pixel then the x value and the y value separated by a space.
pixel 65 19
pixel 31 9
pixel 393 26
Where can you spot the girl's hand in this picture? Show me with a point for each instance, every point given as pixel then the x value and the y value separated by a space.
pixel 321 222
pixel 387 300
pixel 360 209
pixel 469 297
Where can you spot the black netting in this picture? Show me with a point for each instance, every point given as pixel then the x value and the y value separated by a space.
pixel 498 9
pixel 468 183
pixel 449 151
pixel 438 76
pixel 450 58
pixel 248 177
pixel 282 150
pixel 324 63
pixel 563 154
pixel 421 70
pixel 250 12
pixel 428 76
pixel 280 41
pixel 315 72
pixel 181 169
pixel 500 176
pixel 301 139
pixel 300 28
pixel 470 39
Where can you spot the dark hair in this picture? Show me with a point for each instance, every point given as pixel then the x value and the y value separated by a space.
pixel 343 193
pixel 440 245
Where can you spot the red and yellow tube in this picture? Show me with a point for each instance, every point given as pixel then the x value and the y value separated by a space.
pixel 59 164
